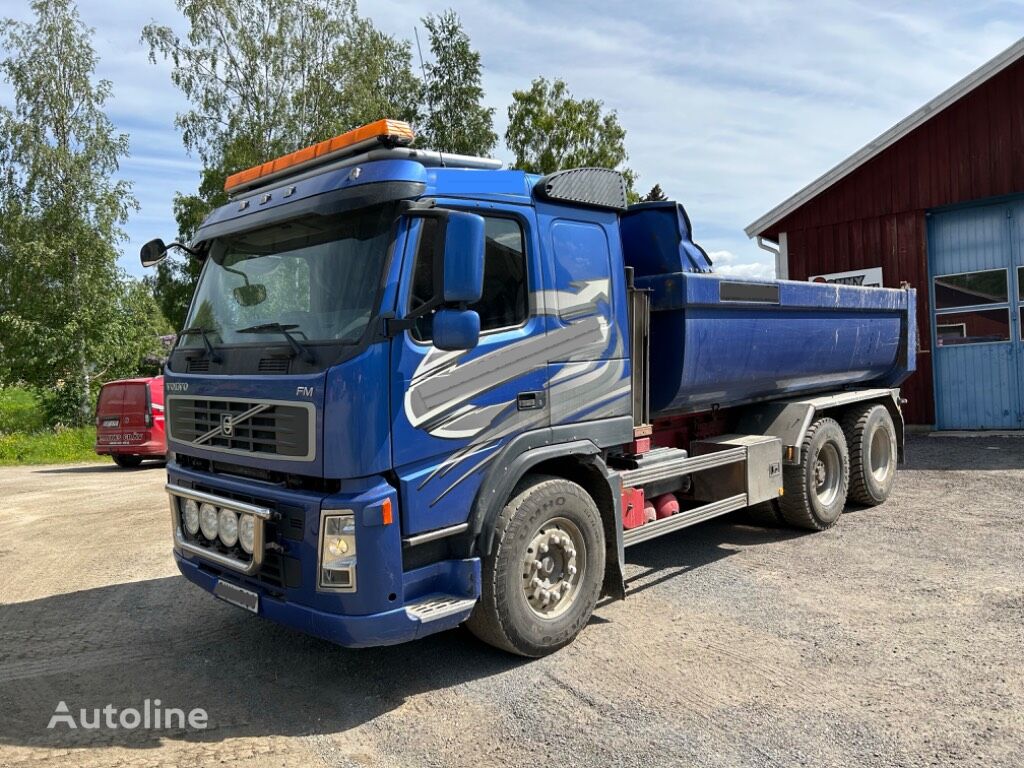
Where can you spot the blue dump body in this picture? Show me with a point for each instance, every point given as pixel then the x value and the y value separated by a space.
pixel 721 341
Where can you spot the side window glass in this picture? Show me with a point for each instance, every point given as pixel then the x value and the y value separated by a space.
pixel 504 302
pixel 423 279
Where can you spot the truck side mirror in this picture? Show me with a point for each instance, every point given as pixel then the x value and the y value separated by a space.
pixel 152 253
pixel 456 329
pixel 464 244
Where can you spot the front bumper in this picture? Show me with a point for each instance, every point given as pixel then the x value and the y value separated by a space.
pixel 389 606
pixel 153 446
pixel 399 625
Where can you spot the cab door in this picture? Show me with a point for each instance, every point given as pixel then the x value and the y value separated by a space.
pixel 452 412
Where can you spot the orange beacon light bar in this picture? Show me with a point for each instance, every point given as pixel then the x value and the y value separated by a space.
pixel 389 133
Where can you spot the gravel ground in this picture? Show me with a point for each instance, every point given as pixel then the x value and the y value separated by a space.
pixel 895 639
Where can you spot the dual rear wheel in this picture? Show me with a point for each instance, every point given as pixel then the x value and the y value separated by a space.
pixel 854 459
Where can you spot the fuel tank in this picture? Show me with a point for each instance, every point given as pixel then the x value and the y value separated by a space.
pixel 722 341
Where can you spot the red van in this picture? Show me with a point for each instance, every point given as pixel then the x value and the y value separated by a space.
pixel 130 421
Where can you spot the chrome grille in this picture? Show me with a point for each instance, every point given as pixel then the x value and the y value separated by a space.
pixel 236 425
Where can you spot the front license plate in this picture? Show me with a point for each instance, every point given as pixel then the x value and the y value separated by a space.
pixel 111 422
pixel 243 598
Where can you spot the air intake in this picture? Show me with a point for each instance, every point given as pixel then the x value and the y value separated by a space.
pixel 274 365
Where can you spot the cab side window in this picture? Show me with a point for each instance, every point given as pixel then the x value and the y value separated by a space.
pixel 504 302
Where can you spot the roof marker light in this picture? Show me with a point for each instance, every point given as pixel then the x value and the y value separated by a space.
pixel 388 133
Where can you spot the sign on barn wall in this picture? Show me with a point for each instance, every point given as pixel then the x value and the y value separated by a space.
pixel 869 278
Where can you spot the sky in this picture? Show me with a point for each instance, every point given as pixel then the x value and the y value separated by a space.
pixel 730 106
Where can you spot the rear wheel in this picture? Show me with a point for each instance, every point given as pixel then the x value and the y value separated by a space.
pixel 872 438
pixel 127 462
pixel 544 574
pixel 815 489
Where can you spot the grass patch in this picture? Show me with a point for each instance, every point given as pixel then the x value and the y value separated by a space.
pixel 26 439
pixel 20 411
pixel 65 446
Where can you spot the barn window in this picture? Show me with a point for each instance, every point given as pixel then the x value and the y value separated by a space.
pixel 979 326
pixel 971 289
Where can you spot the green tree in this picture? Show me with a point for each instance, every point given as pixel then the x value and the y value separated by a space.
pixel 264 79
pixel 68 315
pixel 456 120
pixel 549 130
pixel 654 196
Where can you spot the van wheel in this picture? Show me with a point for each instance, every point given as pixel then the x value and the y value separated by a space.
pixel 872 438
pixel 815 489
pixel 543 576
pixel 127 462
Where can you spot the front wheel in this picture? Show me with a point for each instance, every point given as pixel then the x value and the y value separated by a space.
pixel 543 576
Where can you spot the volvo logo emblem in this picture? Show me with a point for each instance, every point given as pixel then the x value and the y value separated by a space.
pixel 228 422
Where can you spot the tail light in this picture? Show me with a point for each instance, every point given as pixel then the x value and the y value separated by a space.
pixel 148 418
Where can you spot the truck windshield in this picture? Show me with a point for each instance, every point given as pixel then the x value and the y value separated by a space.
pixel 317 276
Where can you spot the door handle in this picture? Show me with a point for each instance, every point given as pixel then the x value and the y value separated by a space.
pixel 530 401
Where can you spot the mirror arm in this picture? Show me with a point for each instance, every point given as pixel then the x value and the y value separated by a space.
pixel 181 246
pixel 394 326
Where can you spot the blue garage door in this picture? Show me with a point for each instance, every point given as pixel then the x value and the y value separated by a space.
pixel 977 286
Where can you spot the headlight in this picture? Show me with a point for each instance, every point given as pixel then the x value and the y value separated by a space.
pixel 338 553
pixel 246 532
pixel 208 521
pixel 228 527
pixel 191 516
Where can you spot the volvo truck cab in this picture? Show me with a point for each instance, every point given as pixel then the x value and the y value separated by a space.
pixel 414 389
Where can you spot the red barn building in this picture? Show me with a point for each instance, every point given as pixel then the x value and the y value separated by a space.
pixel 937 201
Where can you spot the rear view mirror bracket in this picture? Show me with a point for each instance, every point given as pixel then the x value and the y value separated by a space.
pixel 155 251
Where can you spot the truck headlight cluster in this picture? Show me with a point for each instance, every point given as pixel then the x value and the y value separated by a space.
pixel 229 526
pixel 338 552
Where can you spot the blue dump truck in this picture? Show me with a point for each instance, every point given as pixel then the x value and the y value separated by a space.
pixel 416 390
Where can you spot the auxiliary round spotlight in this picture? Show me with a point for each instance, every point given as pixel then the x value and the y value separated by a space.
pixel 208 521
pixel 191 517
pixel 228 527
pixel 246 532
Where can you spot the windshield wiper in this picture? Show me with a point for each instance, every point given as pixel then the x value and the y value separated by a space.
pixel 297 347
pixel 198 330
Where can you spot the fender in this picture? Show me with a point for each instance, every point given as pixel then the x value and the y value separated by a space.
pixel 790 419
pixel 584 442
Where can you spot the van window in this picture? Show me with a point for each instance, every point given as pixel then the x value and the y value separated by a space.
pixel 135 397
pixel 504 302
pixel 111 398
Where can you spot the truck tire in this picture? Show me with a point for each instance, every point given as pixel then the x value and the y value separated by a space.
pixel 127 462
pixel 765 514
pixel 543 576
pixel 815 489
pixel 872 439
